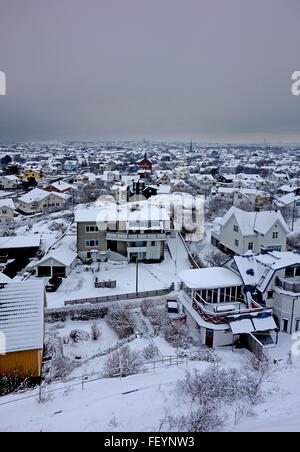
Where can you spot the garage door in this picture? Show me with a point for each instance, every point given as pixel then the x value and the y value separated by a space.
pixel 59 271
pixel 44 271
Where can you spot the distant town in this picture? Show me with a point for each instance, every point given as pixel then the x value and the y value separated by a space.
pixel 84 291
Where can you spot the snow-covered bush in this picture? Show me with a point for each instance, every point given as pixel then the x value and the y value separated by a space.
pixel 61 367
pixel 150 351
pixel 158 317
pixel 146 305
pixel 215 259
pixel 57 226
pixel 201 420
pixel 177 334
pixel 43 395
pixel 203 353
pixel 95 331
pixel 122 362
pixel 226 386
pixel 120 320
pixel 216 206
pixel 13 383
pixel 79 336
pixel 293 241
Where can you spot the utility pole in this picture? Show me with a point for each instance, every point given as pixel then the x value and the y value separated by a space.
pixel 294 207
pixel 176 255
pixel 137 276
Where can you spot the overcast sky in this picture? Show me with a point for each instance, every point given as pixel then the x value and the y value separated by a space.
pixel 207 70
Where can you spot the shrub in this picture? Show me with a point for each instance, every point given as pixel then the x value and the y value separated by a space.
pixel 158 317
pixel 203 419
pixel 176 334
pixel 95 331
pixel 120 320
pixel 122 362
pixel 150 351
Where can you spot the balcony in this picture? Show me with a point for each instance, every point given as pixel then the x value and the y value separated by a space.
pixel 289 284
pixel 217 313
pixel 136 249
pixel 127 237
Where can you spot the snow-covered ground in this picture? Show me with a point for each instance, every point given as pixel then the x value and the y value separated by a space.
pixel 79 283
pixel 140 402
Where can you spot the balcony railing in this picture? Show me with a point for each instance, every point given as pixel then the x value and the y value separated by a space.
pixel 218 312
pixel 289 285
pixel 127 237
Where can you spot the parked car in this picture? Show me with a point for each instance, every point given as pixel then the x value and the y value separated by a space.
pixel 53 284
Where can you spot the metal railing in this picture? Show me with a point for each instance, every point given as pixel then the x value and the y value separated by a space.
pixel 289 286
pixel 128 237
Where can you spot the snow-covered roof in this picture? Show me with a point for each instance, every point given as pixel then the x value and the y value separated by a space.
pixel 133 212
pixel 252 222
pixel 61 185
pixel 210 278
pixel 4 278
pixel 7 202
pixel 20 241
pixel 288 199
pixel 22 315
pixel 62 255
pixel 257 270
pixel 37 195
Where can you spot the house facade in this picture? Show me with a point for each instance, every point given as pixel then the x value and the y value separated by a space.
pixel 7 210
pixel 130 230
pixel 38 200
pixel 274 280
pixel 241 232
pixel 220 309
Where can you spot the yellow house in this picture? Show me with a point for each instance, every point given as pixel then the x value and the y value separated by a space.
pixel 28 174
pixel 22 328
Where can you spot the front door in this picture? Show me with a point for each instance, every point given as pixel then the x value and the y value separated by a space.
pixel 209 338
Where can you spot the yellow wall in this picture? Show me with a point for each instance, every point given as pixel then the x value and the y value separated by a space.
pixel 30 173
pixel 26 363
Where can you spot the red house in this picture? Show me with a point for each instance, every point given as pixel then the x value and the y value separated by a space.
pixel 145 164
pixel 59 187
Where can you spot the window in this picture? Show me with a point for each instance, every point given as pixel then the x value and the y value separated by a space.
pixel 250 246
pixel 236 242
pixel 270 294
pixel 91 243
pixel 91 229
pixel 289 272
pixel 285 325
pixel 235 228
pixel 153 243
pixel 297 327
pixel 275 235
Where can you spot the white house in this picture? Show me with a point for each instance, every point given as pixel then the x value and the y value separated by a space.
pixel 242 231
pixel 292 201
pixel 59 262
pixel 7 209
pixel 273 278
pixel 38 200
pixel 9 182
pixel 222 310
